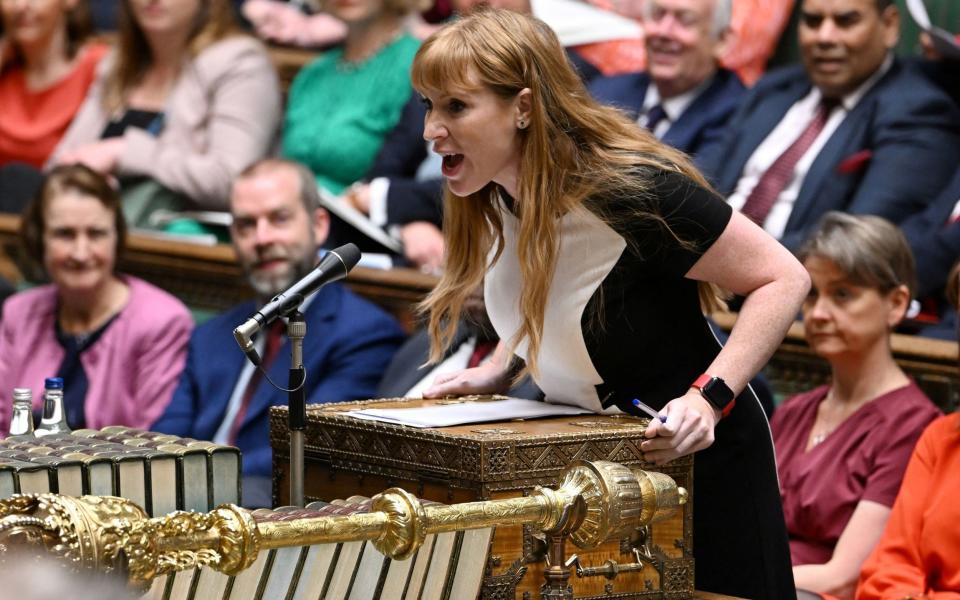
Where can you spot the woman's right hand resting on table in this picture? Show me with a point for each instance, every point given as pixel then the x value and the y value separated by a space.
pixel 490 377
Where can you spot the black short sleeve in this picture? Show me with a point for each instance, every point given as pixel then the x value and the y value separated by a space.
pixel 691 218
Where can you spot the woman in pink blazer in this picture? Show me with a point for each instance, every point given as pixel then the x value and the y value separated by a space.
pixel 118 342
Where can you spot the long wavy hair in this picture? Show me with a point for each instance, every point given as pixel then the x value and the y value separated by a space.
pixel 574 151
pixel 79 27
pixel 214 22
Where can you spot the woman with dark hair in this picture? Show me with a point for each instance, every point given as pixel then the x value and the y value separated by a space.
pixel 842 447
pixel 118 342
pixel 343 105
pixel 186 101
pixel 596 245
pixel 917 556
pixel 46 67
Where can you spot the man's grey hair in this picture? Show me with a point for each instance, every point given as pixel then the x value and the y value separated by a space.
pixel 722 16
pixel 309 192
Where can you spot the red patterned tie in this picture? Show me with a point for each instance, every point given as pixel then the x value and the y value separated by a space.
pixel 480 352
pixel 270 348
pixel 776 178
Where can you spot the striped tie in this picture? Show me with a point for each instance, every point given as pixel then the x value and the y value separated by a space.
pixel 654 116
pixel 776 178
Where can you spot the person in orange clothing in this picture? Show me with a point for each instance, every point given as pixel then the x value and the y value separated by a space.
pixel 918 556
pixel 46 67
pixel 45 70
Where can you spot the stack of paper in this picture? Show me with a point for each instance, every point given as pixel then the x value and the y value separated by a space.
pixel 446 415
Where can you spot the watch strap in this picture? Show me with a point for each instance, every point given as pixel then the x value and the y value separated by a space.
pixel 716 392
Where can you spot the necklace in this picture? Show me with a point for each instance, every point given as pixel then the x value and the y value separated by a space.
pixel 352 65
pixel 818 438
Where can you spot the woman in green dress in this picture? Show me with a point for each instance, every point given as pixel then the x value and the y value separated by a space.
pixel 344 104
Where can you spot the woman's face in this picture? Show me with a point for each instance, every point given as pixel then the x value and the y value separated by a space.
pixel 34 22
pixel 478 135
pixel 165 16
pixel 79 243
pixel 842 319
pixel 354 11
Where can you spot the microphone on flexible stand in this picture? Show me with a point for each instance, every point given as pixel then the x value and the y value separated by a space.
pixel 333 267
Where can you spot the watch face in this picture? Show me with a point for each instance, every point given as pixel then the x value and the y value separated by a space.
pixel 717 392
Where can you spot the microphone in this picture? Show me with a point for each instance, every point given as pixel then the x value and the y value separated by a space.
pixel 333 267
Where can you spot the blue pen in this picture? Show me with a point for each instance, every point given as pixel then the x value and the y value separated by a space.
pixel 653 414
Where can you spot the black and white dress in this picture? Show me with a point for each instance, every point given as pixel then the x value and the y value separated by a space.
pixel 622 322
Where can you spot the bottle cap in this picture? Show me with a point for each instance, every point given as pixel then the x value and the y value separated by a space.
pixel 53 383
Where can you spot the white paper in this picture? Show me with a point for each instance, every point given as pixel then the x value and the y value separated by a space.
pixel 943 41
pixel 577 22
pixel 164 216
pixel 354 217
pixel 446 415
pixel 919 13
pixel 198 239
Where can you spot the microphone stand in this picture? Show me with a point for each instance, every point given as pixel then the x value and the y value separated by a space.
pixel 297 401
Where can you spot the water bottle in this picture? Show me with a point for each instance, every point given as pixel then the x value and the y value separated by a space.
pixel 54 417
pixel 21 422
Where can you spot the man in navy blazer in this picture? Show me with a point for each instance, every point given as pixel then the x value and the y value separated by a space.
pixel 684 97
pixel 276 231
pixel 934 237
pixel 888 141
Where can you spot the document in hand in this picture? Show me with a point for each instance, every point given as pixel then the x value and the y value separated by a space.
pixel 461 413
pixel 943 41
pixel 339 207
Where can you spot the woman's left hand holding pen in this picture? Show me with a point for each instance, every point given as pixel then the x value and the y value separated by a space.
pixel 688 428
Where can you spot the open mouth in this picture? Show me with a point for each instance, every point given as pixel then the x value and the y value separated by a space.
pixel 451 162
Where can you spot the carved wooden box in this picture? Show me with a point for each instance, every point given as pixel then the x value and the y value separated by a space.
pixel 346 456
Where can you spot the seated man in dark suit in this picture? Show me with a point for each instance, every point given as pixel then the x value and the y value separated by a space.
pixel 684 98
pixel 277 229
pixel 852 129
pixel 474 342
pixel 934 238
pixel 404 190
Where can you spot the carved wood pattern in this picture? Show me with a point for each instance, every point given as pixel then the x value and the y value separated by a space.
pixel 343 454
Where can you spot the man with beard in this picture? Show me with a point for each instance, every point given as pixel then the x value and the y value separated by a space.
pixel 277 228
pixel 851 129
pixel 684 97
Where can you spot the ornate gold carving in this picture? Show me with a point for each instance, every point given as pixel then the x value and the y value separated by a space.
pixel 593 502
pixel 405 531
pixel 80 531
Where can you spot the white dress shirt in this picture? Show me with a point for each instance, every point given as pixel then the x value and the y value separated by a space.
pixel 673 107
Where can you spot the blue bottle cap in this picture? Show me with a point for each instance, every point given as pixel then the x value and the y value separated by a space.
pixel 53 383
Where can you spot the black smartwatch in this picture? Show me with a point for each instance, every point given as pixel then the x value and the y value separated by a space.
pixel 717 393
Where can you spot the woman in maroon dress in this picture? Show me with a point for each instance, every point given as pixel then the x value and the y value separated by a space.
pixel 842 448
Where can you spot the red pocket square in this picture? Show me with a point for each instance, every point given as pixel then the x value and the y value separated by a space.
pixel 855 163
